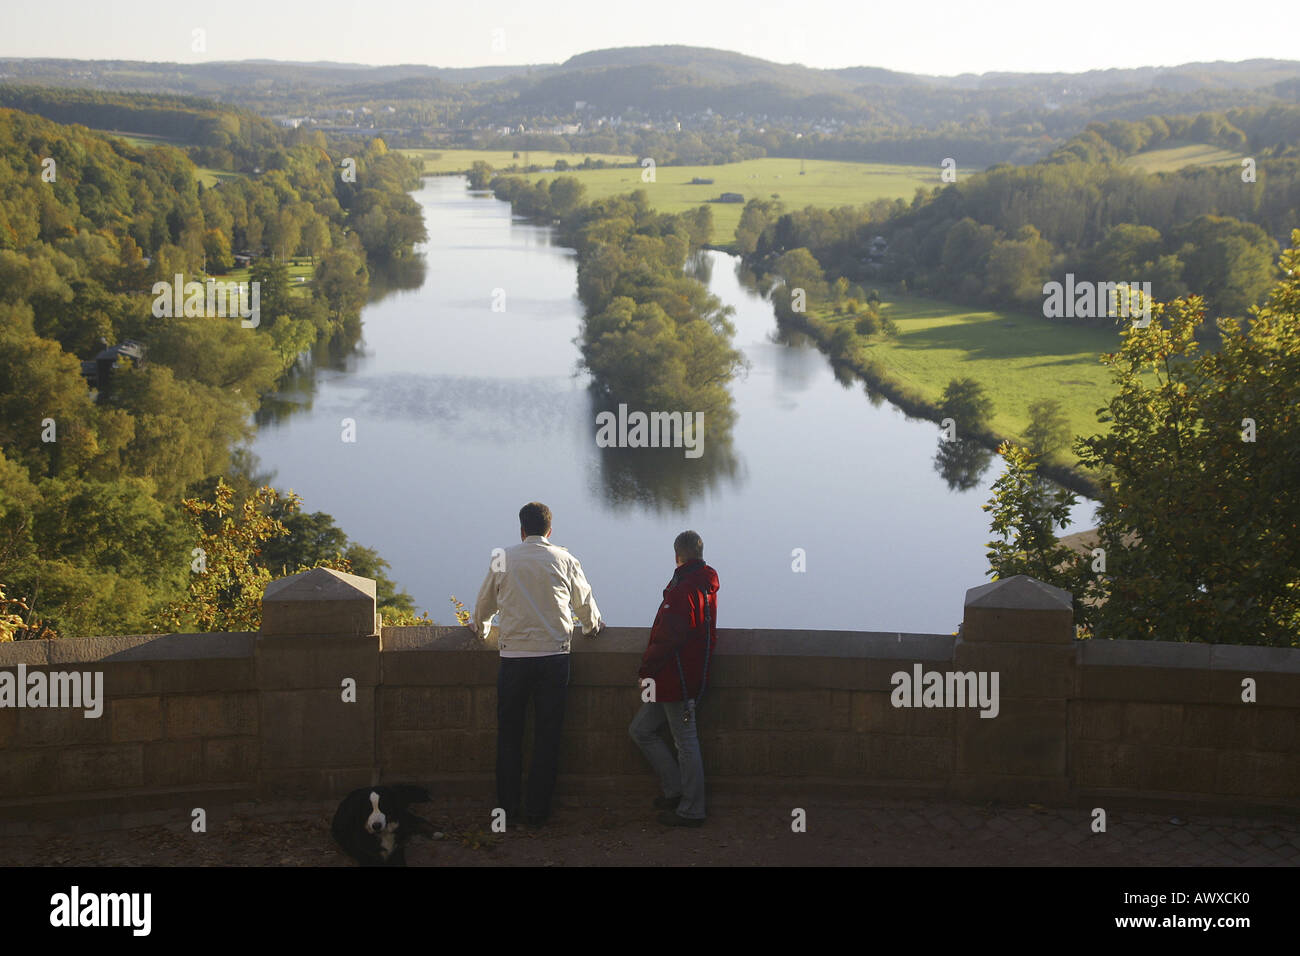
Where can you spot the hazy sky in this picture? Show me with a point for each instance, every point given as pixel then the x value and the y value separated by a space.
pixel 922 36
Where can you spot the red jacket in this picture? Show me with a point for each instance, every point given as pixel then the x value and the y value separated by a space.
pixel 680 627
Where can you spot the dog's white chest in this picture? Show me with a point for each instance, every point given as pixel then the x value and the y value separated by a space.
pixel 388 839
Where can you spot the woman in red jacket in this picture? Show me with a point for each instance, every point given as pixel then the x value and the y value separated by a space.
pixel 674 673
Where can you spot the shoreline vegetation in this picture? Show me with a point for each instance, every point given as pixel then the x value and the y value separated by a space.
pixel 653 336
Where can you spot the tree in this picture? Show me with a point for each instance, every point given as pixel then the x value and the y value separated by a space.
pixel 342 281
pixel 565 195
pixel 1049 428
pixel 216 252
pixel 226 586
pixel 1229 263
pixel 44 397
pixel 1017 267
pixel 1125 253
pixel 12 622
pixel 316 236
pixel 273 293
pixel 480 174
pixel 801 270
pixel 841 344
pixel 868 323
pixel 218 352
pixel 183 430
pixel 229 574
pixel 1200 514
pixel 757 216
pixel 1026 515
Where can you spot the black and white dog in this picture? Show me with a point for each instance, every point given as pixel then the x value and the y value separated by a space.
pixel 373 824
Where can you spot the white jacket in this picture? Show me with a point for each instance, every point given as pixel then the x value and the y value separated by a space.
pixel 535 587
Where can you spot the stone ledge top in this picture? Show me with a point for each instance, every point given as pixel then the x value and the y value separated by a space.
pixel 1019 593
pixel 1171 654
pixel 211 645
pixel 731 641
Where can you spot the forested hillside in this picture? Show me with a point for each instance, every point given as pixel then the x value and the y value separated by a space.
pixel 996 237
pixel 729 106
pixel 94 537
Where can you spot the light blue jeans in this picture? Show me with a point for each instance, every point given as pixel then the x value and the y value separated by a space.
pixel 683 774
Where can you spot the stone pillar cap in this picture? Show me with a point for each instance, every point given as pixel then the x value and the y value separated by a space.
pixel 1020 592
pixel 321 602
pixel 320 584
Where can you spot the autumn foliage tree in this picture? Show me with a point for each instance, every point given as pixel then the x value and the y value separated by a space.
pixel 1027 513
pixel 227 578
pixel 1199 518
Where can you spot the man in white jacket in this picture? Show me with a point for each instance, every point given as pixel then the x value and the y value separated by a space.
pixel 535 587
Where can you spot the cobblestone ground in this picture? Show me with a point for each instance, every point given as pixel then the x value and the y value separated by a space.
pixel 739 832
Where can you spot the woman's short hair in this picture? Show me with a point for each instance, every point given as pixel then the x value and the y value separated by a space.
pixel 688 545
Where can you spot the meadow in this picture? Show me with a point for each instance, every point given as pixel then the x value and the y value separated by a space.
pixel 1173 157
pixel 824 183
pixel 1019 359
pixel 445 161
pixel 207 176
pixel 301 273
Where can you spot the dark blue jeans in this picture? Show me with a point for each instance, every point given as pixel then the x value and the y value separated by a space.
pixel 544 680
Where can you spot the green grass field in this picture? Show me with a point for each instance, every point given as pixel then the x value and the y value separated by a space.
pixel 299 269
pixel 209 177
pixel 443 161
pixel 142 140
pixel 825 183
pixel 1018 358
pixel 1179 155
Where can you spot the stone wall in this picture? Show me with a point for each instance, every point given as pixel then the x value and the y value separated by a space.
pixel 180 716
pixel 324 700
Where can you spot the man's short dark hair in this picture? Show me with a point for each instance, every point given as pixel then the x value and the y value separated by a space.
pixel 688 545
pixel 535 518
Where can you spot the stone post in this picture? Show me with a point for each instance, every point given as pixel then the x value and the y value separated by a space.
pixel 1022 630
pixel 317 667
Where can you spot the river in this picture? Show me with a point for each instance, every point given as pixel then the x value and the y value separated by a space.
pixel 462 414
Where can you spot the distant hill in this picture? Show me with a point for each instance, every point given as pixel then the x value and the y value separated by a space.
pixel 664 82
pixel 699 65
pixel 724 68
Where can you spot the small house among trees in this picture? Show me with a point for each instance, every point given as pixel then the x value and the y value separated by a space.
pixel 99 371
